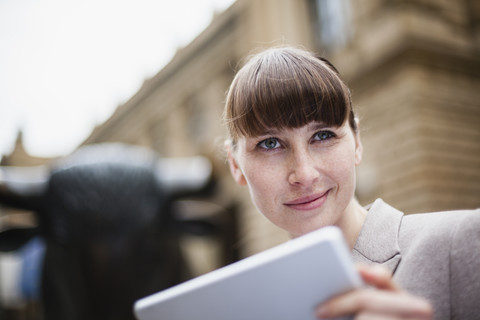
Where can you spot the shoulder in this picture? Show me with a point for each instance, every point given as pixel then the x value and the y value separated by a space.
pixel 441 231
pixel 464 264
pixel 458 232
pixel 441 253
pixel 449 240
pixel 438 236
pixel 452 224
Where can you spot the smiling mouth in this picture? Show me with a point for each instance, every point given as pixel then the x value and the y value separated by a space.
pixel 309 202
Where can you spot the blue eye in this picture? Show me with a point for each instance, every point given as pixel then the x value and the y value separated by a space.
pixel 323 135
pixel 270 143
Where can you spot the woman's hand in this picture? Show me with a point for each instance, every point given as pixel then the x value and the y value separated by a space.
pixel 383 301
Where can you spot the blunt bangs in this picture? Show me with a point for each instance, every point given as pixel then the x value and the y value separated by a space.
pixel 286 88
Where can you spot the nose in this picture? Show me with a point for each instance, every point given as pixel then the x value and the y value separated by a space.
pixel 303 168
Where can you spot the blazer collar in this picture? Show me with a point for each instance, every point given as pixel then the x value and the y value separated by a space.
pixel 378 239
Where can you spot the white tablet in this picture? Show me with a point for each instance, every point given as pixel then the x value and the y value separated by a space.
pixel 285 282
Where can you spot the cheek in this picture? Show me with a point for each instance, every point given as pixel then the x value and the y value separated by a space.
pixel 344 168
pixel 263 183
pixel 339 164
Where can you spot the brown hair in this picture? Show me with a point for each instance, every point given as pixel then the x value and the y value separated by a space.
pixel 286 88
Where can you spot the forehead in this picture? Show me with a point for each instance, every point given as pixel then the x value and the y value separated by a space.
pixel 284 89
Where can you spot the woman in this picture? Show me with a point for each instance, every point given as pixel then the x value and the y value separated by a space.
pixel 294 142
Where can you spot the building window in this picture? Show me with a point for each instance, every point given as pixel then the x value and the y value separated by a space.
pixel 332 23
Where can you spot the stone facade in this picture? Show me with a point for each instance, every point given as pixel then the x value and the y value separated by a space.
pixel 413 67
pixel 414 70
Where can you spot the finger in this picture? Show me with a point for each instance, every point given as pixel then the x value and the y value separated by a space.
pixel 372 316
pixel 377 276
pixel 375 301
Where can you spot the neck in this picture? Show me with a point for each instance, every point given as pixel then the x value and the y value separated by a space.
pixel 352 222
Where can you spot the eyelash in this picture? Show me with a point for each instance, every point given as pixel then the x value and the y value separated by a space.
pixel 326 134
pixel 261 144
pixel 330 134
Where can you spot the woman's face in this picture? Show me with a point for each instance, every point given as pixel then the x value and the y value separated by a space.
pixel 301 179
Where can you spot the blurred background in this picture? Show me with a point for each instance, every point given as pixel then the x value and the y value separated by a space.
pixel 413 67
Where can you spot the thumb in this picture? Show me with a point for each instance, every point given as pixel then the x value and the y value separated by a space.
pixel 377 276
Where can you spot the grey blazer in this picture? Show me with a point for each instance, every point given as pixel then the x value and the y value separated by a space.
pixel 433 255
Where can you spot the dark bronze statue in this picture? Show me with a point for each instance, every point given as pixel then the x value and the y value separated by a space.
pixel 106 217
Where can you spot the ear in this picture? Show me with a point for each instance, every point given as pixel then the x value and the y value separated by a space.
pixel 234 168
pixel 358 145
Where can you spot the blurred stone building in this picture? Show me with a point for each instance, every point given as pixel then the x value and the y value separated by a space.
pixel 414 70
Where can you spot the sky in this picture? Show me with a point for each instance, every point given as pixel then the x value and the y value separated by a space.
pixel 65 65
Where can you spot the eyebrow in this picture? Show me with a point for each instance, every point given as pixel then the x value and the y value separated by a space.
pixel 267 132
pixel 318 126
pixel 313 126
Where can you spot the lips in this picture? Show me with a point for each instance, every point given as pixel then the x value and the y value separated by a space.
pixel 309 202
